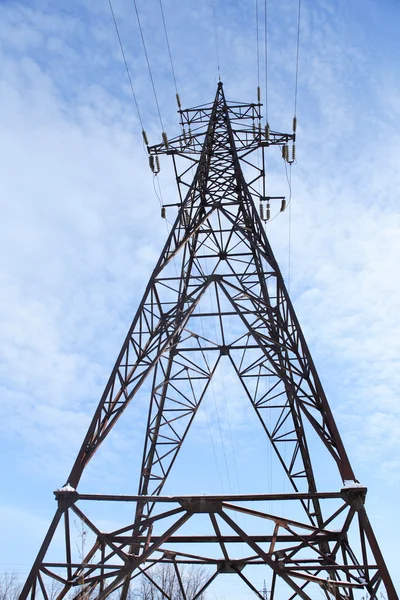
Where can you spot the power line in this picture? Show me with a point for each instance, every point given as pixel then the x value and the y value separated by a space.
pixel 148 64
pixel 126 64
pixel 289 206
pixel 216 39
pixel 206 413
pixel 230 430
pixel 297 58
pixel 168 46
pixel 294 128
pixel 213 448
pixel 266 57
pixel 213 391
pixel 289 179
pixel 290 231
pixel 258 48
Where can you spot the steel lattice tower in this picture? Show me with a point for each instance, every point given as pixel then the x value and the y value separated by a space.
pixel 324 540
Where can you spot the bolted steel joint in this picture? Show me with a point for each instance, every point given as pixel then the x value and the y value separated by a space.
pixel 66 496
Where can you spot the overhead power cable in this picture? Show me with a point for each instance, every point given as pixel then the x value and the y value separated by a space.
pixel 159 195
pixel 148 64
pixel 126 64
pixel 258 50
pixel 168 46
pixel 266 58
pixel 297 58
pixel 289 206
pixel 213 445
pixel 216 39
pixel 294 129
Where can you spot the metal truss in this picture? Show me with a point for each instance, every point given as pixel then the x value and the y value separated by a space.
pixel 216 294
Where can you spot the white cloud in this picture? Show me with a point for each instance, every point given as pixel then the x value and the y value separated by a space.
pixel 81 233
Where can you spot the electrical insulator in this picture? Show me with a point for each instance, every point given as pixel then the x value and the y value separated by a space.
pixel 268 213
pixel 178 101
pixel 163 212
pixel 190 136
pixel 186 217
pixel 146 141
pixel 262 211
pixel 254 130
pixel 283 205
pixel 283 151
pixel 267 130
pixel 258 94
pixel 294 124
pixel 286 157
pixel 165 139
pixel 293 152
pixel 157 164
pixel 151 162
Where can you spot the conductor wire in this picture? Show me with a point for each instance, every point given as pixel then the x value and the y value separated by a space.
pixel 258 47
pixel 290 230
pixel 216 39
pixel 266 57
pixel 290 167
pixel 297 58
pixel 126 64
pixel 148 64
pixel 168 46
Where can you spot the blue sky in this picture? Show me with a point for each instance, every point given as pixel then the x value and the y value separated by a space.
pixel 81 231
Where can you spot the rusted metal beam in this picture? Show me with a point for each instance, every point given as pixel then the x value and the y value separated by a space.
pixel 212 497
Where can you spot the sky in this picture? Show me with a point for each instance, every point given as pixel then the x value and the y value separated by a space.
pixel 81 231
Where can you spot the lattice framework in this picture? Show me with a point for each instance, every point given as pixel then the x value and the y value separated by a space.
pixel 228 301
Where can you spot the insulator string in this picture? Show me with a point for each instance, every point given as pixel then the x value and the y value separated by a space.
pixel 148 64
pixel 168 45
pixel 126 64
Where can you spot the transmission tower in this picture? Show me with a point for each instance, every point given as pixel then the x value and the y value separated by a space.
pixel 322 540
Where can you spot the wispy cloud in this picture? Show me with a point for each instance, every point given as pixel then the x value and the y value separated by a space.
pixel 81 233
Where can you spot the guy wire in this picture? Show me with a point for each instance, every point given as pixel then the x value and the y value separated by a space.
pixel 126 64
